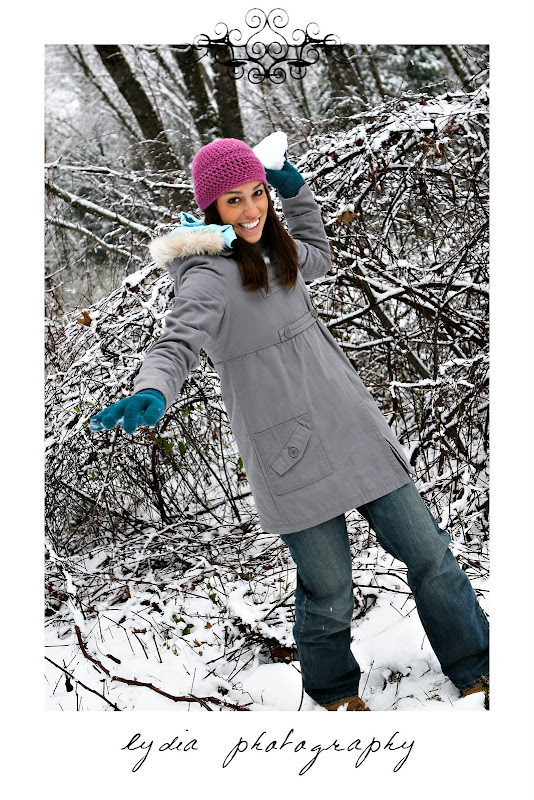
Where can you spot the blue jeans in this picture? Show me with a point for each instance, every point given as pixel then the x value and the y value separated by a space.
pixel 455 625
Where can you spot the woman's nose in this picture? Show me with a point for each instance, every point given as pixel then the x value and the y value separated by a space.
pixel 250 209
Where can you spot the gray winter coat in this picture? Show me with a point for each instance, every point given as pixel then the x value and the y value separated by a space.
pixel 313 442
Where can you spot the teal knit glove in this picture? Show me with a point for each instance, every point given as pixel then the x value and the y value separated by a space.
pixel 287 180
pixel 143 408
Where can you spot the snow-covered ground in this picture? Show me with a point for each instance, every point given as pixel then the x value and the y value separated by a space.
pixel 225 637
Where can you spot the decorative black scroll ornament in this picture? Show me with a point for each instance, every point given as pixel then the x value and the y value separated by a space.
pixel 261 61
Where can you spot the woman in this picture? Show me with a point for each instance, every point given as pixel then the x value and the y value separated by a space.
pixel 312 439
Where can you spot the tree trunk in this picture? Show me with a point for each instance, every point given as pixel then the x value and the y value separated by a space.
pixel 357 76
pixel 77 55
pixel 204 115
pixel 226 97
pixel 346 86
pixel 457 66
pixel 374 71
pixel 147 118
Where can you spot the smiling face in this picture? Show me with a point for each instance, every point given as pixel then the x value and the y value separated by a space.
pixel 245 208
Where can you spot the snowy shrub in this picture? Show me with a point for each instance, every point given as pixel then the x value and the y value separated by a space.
pixel 186 468
pixel 405 200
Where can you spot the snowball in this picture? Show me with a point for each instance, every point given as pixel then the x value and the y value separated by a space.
pixel 271 150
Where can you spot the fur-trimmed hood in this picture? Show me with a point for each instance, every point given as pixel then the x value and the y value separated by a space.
pixel 192 238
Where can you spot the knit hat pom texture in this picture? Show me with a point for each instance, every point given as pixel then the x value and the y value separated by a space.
pixel 221 165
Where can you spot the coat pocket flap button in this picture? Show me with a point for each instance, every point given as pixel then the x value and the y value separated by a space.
pixel 293 450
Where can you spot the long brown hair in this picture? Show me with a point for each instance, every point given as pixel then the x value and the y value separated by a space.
pixel 280 246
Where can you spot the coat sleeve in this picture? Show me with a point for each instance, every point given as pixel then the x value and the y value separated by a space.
pixel 305 225
pixel 197 312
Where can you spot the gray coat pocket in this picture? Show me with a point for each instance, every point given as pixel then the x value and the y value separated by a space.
pixel 291 454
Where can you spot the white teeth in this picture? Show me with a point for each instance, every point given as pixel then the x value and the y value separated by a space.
pixel 249 225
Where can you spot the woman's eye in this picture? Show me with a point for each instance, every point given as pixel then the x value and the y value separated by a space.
pixel 233 200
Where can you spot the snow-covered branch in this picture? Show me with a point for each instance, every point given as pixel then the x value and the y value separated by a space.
pixel 92 208
pixel 63 223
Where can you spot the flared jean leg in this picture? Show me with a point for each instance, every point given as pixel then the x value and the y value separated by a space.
pixel 324 604
pixel 455 625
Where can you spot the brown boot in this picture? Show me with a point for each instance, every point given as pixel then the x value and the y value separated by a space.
pixel 354 704
pixel 483 686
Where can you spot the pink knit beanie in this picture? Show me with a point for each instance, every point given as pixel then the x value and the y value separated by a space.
pixel 221 165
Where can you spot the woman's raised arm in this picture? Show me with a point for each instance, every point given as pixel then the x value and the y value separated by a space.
pixel 304 221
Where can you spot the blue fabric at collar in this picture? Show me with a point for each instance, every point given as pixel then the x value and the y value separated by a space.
pixel 190 223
